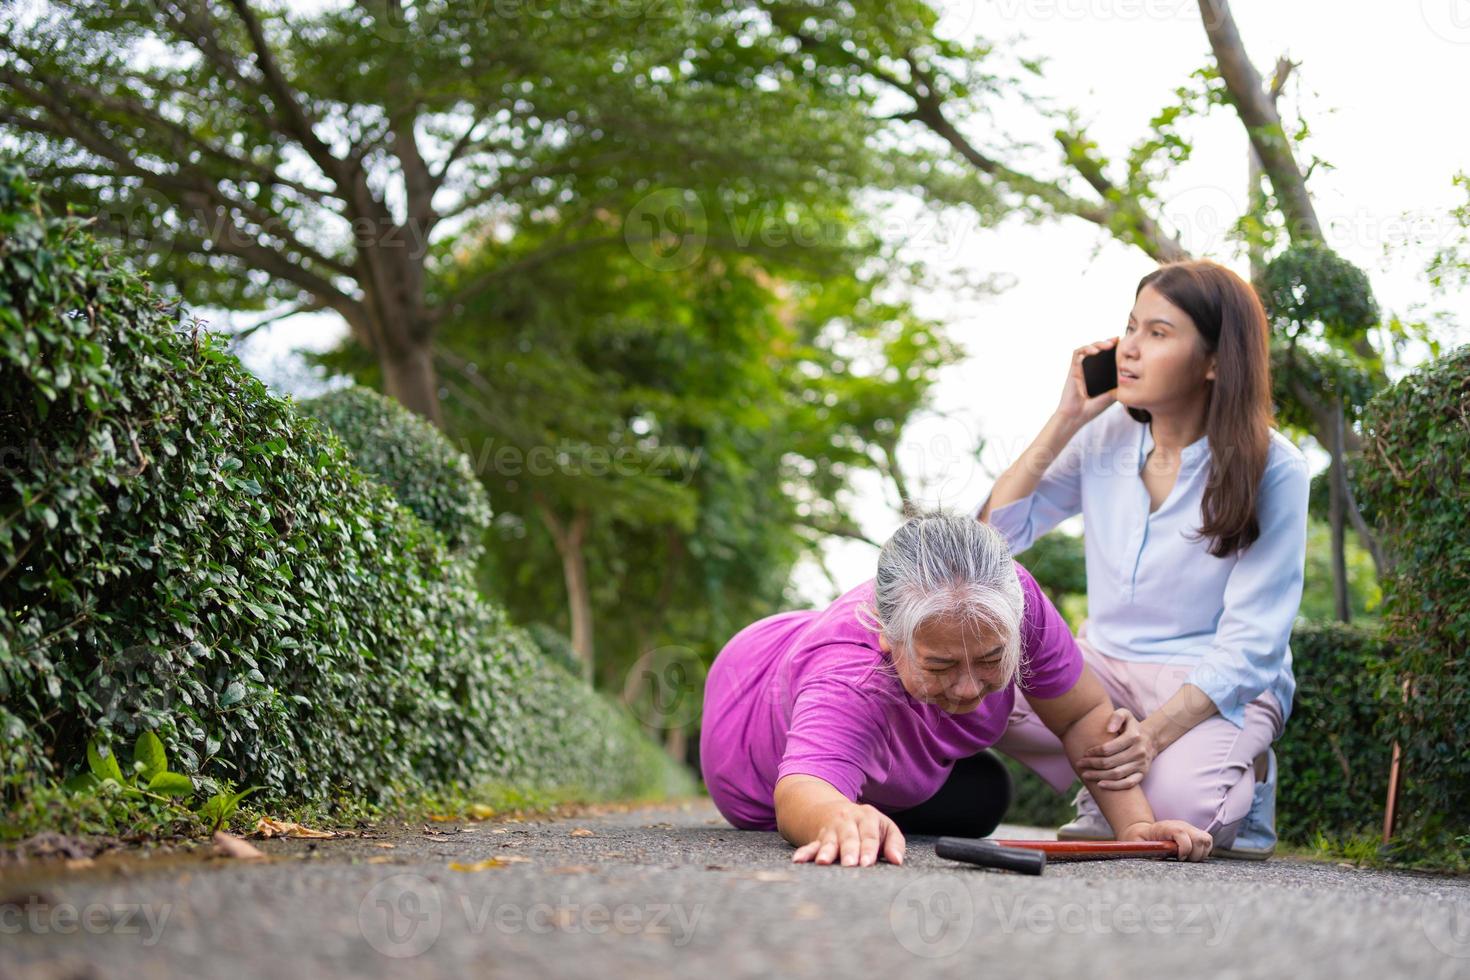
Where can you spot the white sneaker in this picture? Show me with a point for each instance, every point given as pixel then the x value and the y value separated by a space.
pixel 1089 824
pixel 1256 839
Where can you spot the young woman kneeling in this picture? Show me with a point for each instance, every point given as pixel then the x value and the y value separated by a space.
pixel 846 728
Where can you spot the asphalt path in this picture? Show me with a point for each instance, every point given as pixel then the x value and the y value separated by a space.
pixel 674 891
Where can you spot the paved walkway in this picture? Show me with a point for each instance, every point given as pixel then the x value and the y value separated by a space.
pixel 674 892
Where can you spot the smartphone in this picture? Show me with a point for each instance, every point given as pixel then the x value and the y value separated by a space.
pixel 1100 372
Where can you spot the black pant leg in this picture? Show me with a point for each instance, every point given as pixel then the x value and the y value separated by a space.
pixel 971 803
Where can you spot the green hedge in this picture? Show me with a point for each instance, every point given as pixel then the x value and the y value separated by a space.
pixel 408 455
pixel 556 647
pixel 182 552
pixel 1332 760
pixel 1414 483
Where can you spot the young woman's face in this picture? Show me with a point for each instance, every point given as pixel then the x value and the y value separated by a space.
pixel 1162 358
pixel 952 666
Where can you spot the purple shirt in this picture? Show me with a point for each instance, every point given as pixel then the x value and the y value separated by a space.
pixel 804 692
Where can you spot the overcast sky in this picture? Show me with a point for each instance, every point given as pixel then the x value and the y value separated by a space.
pixel 1380 84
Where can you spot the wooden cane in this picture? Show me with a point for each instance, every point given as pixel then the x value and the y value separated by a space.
pixel 1096 850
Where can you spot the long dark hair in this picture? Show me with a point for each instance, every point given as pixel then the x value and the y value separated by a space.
pixel 1238 413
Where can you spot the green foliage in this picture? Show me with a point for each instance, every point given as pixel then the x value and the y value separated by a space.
pixel 1449 270
pixel 149 780
pixel 701 427
pixel 1034 803
pixel 1415 486
pixel 1058 563
pixel 184 554
pixel 555 646
pixel 1321 309
pixel 1319 603
pixel 1310 287
pixel 412 458
pixel 1333 759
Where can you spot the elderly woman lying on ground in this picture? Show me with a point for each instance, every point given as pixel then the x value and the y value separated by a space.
pixel 847 727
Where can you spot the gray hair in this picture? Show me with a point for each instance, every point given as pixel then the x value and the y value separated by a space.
pixel 940 565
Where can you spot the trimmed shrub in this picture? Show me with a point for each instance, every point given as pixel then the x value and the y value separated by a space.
pixel 556 647
pixel 1414 484
pixel 1333 759
pixel 182 552
pixel 410 457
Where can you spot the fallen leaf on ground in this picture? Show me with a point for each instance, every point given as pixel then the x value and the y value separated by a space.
pixel 443 817
pixel 231 846
pixel 572 869
pixel 269 827
pixel 581 832
pixel 478 865
pixel 385 845
pixel 807 910
pixel 438 838
pixel 381 859
pixel 74 864
pixel 479 811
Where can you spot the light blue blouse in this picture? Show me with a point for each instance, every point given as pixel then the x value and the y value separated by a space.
pixel 1154 593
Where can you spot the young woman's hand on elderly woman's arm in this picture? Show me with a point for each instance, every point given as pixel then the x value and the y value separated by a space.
pixel 1080 719
pixel 826 826
pixel 1123 760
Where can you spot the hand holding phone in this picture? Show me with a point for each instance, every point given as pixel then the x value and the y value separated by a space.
pixel 1090 382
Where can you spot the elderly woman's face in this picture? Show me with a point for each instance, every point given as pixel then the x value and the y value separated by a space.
pixel 952 665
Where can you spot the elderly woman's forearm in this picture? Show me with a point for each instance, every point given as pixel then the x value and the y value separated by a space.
pixel 1122 807
pixel 803 804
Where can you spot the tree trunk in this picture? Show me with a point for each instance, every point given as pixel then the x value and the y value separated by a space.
pixel 570 538
pixel 1337 519
pixel 410 379
pixel 1257 111
pixel 676 743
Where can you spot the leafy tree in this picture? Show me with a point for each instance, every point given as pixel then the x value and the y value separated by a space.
pixel 330 158
pixel 662 445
